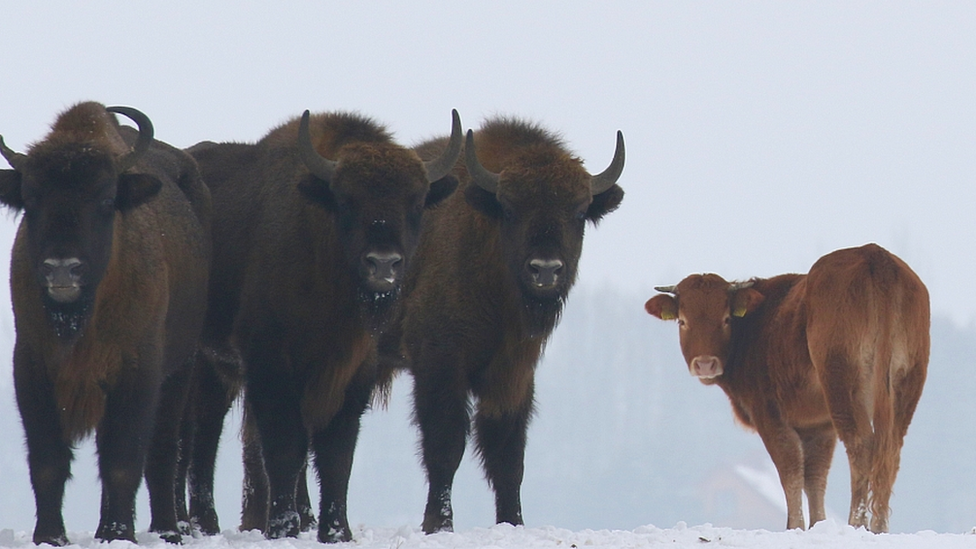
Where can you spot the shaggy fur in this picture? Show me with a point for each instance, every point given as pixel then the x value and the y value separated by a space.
pixel 474 327
pixel 290 294
pixel 107 362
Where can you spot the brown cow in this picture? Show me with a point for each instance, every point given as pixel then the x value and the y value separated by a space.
pixel 314 227
pixel 493 269
pixel 841 351
pixel 108 280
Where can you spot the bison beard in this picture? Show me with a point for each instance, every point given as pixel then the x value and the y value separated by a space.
pixel 541 314
pixel 67 319
pixel 378 307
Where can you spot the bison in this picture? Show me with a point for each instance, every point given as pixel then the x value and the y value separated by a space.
pixel 108 280
pixel 493 269
pixel 314 228
pixel 842 351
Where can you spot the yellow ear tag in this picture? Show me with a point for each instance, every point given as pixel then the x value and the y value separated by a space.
pixel 668 315
pixel 739 311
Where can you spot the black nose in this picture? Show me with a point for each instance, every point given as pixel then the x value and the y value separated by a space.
pixel 63 272
pixel 545 272
pixel 384 266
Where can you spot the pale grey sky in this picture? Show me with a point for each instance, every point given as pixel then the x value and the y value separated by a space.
pixel 760 135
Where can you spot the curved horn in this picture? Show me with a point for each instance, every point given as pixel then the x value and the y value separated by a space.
pixel 485 179
pixel 145 138
pixel 443 165
pixel 604 180
pixel 736 286
pixel 666 289
pixel 15 159
pixel 321 167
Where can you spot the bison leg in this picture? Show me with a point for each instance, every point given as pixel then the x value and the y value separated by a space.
pixel 441 412
pixel 48 455
pixel 122 443
pixel 254 496
pixel 275 404
pixel 161 460
pixel 784 447
pixel 334 448
pixel 818 452
pixel 212 399
pixel 501 441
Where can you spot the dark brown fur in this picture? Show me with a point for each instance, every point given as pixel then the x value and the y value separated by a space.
pixel 288 292
pixel 840 351
pixel 107 367
pixel 473 328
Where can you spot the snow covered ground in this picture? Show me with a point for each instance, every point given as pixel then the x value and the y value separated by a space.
pixel 826 535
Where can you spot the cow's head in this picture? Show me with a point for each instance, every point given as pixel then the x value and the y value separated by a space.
pixel 705 307
pixel 378 192
pixel 542 200
pixel 70 187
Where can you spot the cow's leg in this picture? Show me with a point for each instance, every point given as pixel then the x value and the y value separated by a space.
pixel 274 401
pixel 785 449
pixel 216 386
pixel 48 455
pixel 303 501
pixel 846 400
pixel 163 453
pixel 122 443
pixel 442 414
pixel 333 448
pixel 500 438
pixel 183 464
pixel 818 452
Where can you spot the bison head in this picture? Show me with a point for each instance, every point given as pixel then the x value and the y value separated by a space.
pixel 70 188
pixel 704 306
pixel 542 199
pixel 378 192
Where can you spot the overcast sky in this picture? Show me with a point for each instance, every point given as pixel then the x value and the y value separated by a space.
pixel 760 135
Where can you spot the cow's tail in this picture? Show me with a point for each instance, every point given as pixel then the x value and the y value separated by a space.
pixel 885 452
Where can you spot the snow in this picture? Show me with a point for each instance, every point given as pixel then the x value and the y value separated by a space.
pixel 825 535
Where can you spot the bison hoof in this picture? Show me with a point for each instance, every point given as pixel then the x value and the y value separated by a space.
pixel 286 525
pixel 335 534
pixel 206 523
pixel 115 531
pixel 57 540
pixel 171 536
pixel 433 525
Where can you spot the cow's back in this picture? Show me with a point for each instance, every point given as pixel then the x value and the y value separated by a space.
pixel 861 302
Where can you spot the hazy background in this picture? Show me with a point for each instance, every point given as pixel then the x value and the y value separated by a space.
pixel 760 135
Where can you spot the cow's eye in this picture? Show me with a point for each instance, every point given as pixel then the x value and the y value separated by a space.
pixel 681 323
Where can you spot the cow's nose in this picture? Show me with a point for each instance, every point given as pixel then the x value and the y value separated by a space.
pixel 545 272
pixel 384 266
pixel 706 367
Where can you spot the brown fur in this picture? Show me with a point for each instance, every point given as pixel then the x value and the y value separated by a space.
pixel 136 339
pixel 291 291
pixel 840 351
pixel 472 327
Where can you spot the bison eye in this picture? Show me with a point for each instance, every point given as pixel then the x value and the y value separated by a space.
pixel 681 323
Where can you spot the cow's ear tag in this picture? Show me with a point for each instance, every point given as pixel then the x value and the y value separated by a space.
pixel 739 311
pixel 668 314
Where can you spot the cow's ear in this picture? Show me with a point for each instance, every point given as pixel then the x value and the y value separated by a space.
pixel 135 189
pixel 318 191
pixel 604 203
pixel 10 189
pixel 745 301
pixel 662 306
pixel 482 200
pixel 440 189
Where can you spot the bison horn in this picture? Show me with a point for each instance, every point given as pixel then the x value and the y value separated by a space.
pixel 145 138
pixel 443 165
pixel 602 181
pixel 666 289
pixel 321 167
pixel 15 159
pixel 484 178
pixel 736 286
